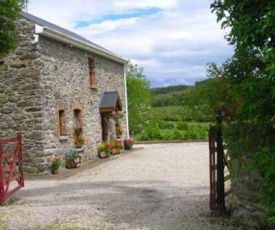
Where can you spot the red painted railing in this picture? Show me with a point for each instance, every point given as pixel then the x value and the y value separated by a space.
pixel 11 167
pixel 213 169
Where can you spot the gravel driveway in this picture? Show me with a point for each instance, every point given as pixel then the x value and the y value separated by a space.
pixel 157 186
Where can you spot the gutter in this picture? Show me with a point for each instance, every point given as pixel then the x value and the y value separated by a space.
pixel 48 32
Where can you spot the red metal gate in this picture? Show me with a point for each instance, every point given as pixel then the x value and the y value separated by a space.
pixel 213 169
pixel 11 167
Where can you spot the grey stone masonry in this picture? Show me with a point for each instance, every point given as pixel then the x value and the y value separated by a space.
pixel 39 76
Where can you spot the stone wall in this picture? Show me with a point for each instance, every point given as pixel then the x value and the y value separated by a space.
pixel 35 79
pixel 65 78
pixel 247 211
pixel 20 104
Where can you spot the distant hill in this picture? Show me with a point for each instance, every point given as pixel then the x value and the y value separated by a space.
pixel 170 96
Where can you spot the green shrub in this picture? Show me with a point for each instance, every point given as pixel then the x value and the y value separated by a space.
pixel 151 133
pixel 182 125
pixel 166 125
pixel 177 135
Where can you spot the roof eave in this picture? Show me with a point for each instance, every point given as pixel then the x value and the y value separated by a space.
pixel 48 32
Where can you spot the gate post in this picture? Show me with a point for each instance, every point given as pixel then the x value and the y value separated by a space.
pixel 220 208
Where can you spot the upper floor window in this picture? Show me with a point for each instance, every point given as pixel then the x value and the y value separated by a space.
pixel 92 73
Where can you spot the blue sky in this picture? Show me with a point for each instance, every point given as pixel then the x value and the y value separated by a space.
pixel 173 40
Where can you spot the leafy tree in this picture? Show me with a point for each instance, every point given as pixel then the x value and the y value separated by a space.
pixel 212 94
pixel 9 11
pixel 251 73
pixel 139 99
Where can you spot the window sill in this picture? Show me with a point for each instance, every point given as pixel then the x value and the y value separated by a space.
pixel 79 150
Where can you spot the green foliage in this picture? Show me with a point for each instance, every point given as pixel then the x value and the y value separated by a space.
pixel 151 133
pixel 214 93
pixel 170 89
pixel 265 163
pixel 189 131
pixel 9 11
pixel 182 125
pixel 250 74
pixel 73 155
pixel 170 96
pixel 253 146
pixel 139 99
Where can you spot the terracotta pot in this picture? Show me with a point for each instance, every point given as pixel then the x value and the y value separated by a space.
pixel 103 154
pixel 71 164
pixel 55 170
pixel 115 151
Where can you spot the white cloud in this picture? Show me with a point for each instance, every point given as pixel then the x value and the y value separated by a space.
pixel 172 44
pixel 134 4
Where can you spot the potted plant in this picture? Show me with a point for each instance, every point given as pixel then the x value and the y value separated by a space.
pixel 116 115
pixel 116 147
pixel 56 163
pixel 128 143
pixel 104 150
pixel 81 140
pixel 73 159
pixel 118 132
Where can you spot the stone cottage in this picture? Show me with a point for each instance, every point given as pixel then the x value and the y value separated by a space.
pixel 57 86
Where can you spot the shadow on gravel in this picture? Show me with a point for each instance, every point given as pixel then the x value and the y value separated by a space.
pixel 139 204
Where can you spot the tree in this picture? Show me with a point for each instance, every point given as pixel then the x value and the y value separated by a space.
pixel 139 99
pixel 251 73
pixel 212 94
pixel 9 11
pixel 252 68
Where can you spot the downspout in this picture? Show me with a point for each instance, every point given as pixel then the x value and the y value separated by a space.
pixel 126 103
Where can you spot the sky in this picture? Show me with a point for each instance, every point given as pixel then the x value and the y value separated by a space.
pixel 172 40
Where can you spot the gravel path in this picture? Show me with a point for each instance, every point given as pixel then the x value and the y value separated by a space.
pixel 159 186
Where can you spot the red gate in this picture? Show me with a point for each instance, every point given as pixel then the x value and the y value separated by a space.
pixel 11 167
pixel 213 169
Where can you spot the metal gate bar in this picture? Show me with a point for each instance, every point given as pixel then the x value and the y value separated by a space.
pixel 11 167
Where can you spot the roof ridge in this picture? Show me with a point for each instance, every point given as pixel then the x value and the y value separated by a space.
pixel 62 30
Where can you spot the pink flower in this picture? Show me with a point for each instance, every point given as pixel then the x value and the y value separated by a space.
pixel 76 160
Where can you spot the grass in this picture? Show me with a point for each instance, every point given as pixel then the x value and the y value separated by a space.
pixel 3 223
pixel 177 131
pixel 193 132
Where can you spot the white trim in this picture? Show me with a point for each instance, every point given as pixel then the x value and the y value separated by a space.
pixel 38 29
pixel 126 102
pixel 48 32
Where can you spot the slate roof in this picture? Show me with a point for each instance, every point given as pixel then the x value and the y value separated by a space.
pixel 110 101
pixel 61 30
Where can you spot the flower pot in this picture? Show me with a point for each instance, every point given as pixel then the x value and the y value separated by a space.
pixel 128 147
pixel 71 164
pixel 115 151
pixel 55 170
pixel 103 154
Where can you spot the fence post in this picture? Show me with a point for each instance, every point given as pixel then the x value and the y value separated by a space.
pixel 220 208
